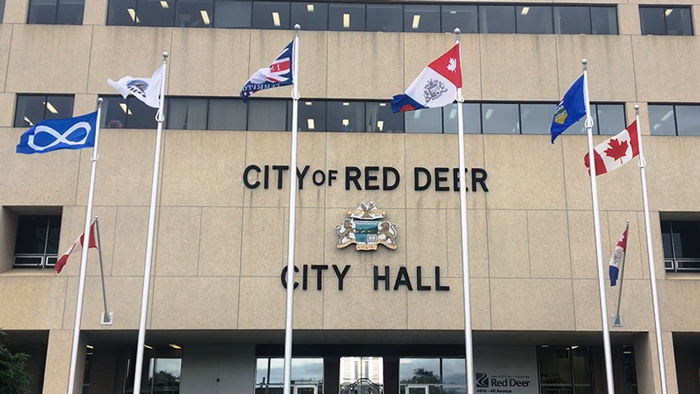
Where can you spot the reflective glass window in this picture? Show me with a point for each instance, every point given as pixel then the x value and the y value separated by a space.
pixel 312 115
pixel 497 18
pixel 428 120
pixel 232 14
pixel 572 20
pixel 662 120
pixel 500 118
pixel 2 10
pixel 384 17
pixel 536 118
pixel 311 16
pixel 688 119
pixel 345 116
pixel 346 16
pixel 70 12
pixel 120 113
pixel 465 17
pixel 421 18
pixel 678 21
pixel 270 15
pixel 471 114
pixel 155 13
pixel 305 371
pixel 534 19
pixel 194 13
pixel 267 115
pixel 34 108
pixel 380 119
pixel 652 20
pixel 36 241
pixel 121 13
pixel 187 113
pixel 604 20
pixel 453 371
pixel 419 370
pixel 610 118
pixel 42 12
pixel 227 114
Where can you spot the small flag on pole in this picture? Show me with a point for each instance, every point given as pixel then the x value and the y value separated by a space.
pixel 616 151
pixel 278 74
pixel 77 245
pixel 50 135
pixel 570 110
pixel 436 86
pixel 144 89
pixel 617 257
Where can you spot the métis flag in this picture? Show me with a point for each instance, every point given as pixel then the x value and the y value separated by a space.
pixel 617 257
pixel 615 152
pixel 436 86
pixel 56 134
pixel 278 74
pixel 570 110
pixel 144 89
pixel 77 245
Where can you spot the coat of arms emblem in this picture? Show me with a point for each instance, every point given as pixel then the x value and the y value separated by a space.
pixel 433 90
pixel 365 228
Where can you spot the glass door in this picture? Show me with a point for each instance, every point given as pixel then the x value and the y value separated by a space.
pixel 305 389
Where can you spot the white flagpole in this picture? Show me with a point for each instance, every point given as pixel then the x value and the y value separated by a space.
pixel 468 340
pixel 292 219
pixel 598 244
pixel 83 256
pixel 138 367
pixel 650 255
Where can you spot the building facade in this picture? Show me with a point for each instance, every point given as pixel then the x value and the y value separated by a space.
pixel 387 320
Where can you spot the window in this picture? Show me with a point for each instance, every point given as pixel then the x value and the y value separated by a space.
pixel 270 15
pixel 268 115
pixel 233 14
pixel 428 120
pixel 380 119
pixel 56 12
pixel 307 373
pixel 681 241
pixel 431 375
pixel 36 242
pixel 161 373
pixel 346 16
pixel 465 17
pixel 194 13
pixel 534 19
pixel 311 16
pixel 32 108
pixel 497 19
pixel 674 119
pixel 2 10
pixel 127 113
pixel 608 119
pixel 565 369
pixel 187 114
pixel 536 118
pixel 384 17
pixel 498 118
pixel 665 21
pixel 345 116
pixel 421 18
pixel 585 20
pixel 312 115
pixel 471 116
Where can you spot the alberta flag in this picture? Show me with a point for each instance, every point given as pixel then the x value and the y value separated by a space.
pixel 617 257
pixel 278 74
pixel 55 134
pixel 570 110
pixel 436 86
pixel 615 152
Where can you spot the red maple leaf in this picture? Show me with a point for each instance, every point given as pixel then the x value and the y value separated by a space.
pixel 616 150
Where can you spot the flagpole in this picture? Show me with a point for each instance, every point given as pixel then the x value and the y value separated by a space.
pixel 83 256
pixel 468 340
pixel 107 317
pixel 616 318
pixel 650 256
pixel 138 367
pixel 292 219
pixel 598 244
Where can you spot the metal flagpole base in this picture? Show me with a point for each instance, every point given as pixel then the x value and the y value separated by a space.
pixel 106 320
pixel 616 320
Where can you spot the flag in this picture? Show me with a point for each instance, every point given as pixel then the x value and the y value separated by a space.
pixel 77 245
pixel 278 74
pixel 144 89
pixel 436 86
pixel 570 110
pixel 56 134
pixel 615 152
pixel 617 257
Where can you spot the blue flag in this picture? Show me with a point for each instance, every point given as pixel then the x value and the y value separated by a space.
pixel 570 110
pixel 278 74
pixel 51 135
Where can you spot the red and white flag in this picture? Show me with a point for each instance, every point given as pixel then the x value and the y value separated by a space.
pixel 615 152
pixel 77 245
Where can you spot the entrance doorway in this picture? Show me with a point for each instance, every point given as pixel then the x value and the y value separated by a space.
pixel 361 375
pixel 306 389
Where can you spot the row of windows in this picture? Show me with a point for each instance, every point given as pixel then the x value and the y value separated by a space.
pixel 523 19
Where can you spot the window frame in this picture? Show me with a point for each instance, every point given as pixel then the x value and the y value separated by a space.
pixel 663 8
pixel 46 98
pixel 46 259
pixel 673 263
pixel 57 5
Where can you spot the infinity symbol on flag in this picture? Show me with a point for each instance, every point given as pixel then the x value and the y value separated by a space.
pixel 58 137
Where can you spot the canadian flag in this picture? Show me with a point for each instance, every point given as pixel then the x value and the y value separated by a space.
pixel 77 245
pixel 615 152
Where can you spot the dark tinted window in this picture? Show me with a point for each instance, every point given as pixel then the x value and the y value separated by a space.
pixel 380 119
pixel 673 21
pixel 310 16
pixel 312 115
pixel 232 13
pixel 465 17
pixel 187 113
pixel 194 13
pixel 131 113
pixel 384 17
pixel 346 116
pixel 34 108
pixel 536 118
pixel 604 20
pixel 36 241
pixel 572 20
pixel 497 18
pixel 155 12
pixel 534 20
pixel 227 114
pixel 421 18
pixel 270 15
pixel 471 116
pixel 346 16
pixel 121 13
pixel 267 115
pixel 500 118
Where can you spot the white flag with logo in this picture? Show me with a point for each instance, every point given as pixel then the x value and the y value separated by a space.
pixel 144 89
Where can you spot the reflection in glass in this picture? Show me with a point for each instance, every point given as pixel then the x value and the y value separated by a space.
pixel 380 119
pixel 500 118
pixel 652 20
pixel 688 119
pixel 536 118
pixel 384 17
pixel 307 373
pixel 421 18
pixel 194 13
pixel 232 13
pixel 121 12
pixel 463 16
pixel 610 118
pixel 312 115
pixel 346 116
pixel 661 120
pixel 311 16
pixel 678 21
pixel 267 115
pixel 155 13
pixel 164 375
pixel 497 18
pixel 471 113
pixel 34 108
pixel 346 16
pixel 572 20
pixel 534 19
pixel 70 12
pixel 428 120
pixel 270 15
pixel 604 20
pixel 42 12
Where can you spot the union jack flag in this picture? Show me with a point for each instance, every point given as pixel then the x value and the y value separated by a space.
pixel 278 74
